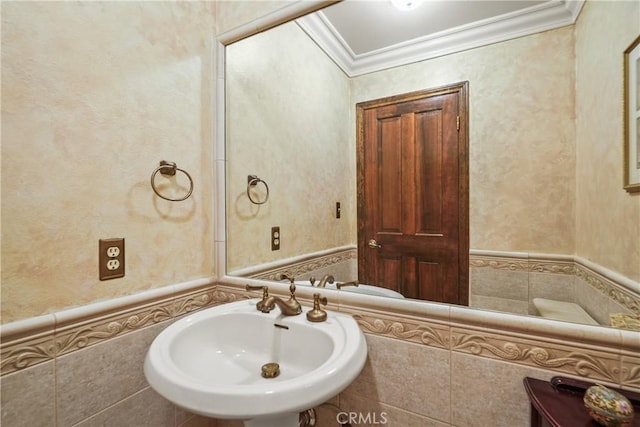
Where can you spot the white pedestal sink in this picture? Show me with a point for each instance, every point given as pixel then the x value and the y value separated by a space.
pixel 210 362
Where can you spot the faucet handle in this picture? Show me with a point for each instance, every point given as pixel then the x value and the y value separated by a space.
pixel 316 314
pixel 292 298
pixel 327 278
pixel 283 276
pixel 265 294
pixel 264 289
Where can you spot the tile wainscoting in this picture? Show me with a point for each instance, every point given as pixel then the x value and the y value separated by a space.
pixel 83 367
pixel 428 364
pixel 341 262
pixel 509 281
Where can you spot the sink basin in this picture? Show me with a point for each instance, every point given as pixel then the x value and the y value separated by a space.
pixel 360 289
pixel 210 362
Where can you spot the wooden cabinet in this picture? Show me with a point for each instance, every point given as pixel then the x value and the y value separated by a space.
pixel 558 403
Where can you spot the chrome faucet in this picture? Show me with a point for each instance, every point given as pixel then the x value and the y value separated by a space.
pixel 351 283
pixel 326 279
pixel 290 307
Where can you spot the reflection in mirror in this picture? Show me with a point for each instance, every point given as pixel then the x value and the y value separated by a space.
pixel 551 231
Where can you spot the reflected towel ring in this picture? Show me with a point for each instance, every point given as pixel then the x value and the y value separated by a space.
pixel 253 180
pixel 170 168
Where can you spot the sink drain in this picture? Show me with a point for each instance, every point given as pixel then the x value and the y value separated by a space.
pixel 270 370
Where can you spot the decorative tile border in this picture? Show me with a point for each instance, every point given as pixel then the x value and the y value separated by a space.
pixel 630 371
pixel 610 288
pixel 568 358
pixel 549 266
pixel 571 358
pixel 594 358
pixel 499 263
pixel 416 332
pixel 523 262
pixel 26 352
pixel 231 295
pixel 19 352
pixel 76 337
pixel 303 267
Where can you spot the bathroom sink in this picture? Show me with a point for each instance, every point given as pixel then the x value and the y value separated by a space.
pixel 210 362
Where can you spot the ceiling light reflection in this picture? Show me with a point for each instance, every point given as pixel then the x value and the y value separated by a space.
pixel 405 5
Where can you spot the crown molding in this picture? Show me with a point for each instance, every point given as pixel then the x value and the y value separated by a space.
pixel 509 26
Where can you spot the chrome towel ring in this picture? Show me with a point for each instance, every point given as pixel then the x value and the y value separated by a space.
pixel 253 180
pixel 170 168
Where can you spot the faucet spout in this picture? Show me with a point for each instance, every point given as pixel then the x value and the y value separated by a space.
pixel 290 307
pixel 326 279
pixel 352 283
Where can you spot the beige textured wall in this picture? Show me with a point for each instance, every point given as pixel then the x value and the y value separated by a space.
pixel 94 95
pixel 608 218
pixel 288 121
pixel 521 136
pixel 233 13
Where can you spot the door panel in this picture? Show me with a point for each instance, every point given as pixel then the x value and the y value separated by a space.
pixel 389 183
pixel 429 272
pixel 391 271
pixel 429 170
pixel 412 195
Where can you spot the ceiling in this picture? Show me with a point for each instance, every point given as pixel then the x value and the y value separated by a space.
pixel 363 36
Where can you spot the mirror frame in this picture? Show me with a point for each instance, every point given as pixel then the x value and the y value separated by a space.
pixel 356 303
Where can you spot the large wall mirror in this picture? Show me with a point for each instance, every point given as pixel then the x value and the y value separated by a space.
pixel 291 122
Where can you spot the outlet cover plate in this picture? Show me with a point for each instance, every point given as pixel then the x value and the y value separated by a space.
pixel 275 238
pixel 110 254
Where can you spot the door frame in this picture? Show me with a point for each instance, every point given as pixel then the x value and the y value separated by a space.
pixel 462 90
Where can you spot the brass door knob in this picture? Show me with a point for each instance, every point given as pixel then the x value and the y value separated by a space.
pixel 373 244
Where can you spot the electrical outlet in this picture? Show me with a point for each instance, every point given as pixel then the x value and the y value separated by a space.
pixel 275 238
pixel 113 251
pixel 111 258
pixel 113 264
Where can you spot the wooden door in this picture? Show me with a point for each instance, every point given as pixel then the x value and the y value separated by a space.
pixel 413 194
